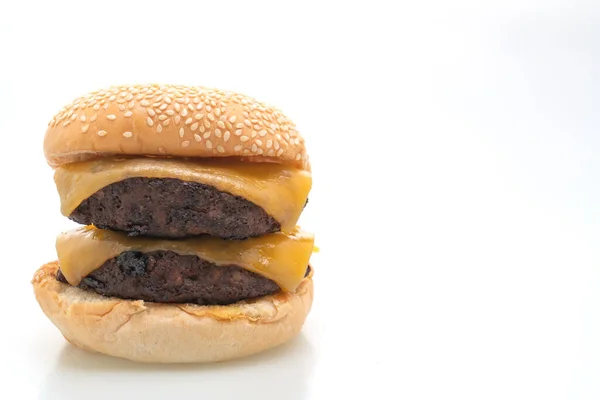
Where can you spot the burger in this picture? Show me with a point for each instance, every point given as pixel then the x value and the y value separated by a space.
pixel 189 248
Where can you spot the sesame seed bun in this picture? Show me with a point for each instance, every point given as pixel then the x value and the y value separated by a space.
pixel 170 333
pixel 169 120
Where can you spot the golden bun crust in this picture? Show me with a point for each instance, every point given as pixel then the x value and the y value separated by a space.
pixel 170 333
pixel 171 120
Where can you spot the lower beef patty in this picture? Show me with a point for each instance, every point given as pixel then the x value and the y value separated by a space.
pixel 172 208
pixel 167 277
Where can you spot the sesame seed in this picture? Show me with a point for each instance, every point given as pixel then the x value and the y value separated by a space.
pixel 199 106
pixel 199 116
pixel 254 148
pixel 185 143
pixel 232 119
pixel 218 111
pixel 191 107
pixel 177 119
pixel 248 123
pixel 208 108
pixel 82 118
pixel 101 133
pixel 122 107
pixel 254 134
pixel 105 106
pixel 246 151
pixel 237 147
pixel 73 117
pixel 238 132
pixel 128 114
pixel 93 118
pixel 66 123
pixel 206 135
pixel 112 98
pixel 168 100
pixel 276 145
pixel 226 136
pixel 131 104
pixel 96 107
pixel 271 153
pixel 269 144
pixel 262 133
pixel 149 121
pixel 258 142
pixel 162 117
pixel 239 125
pixel 184 112
pixel 166 121
pixel 85 128
pixel 207 123
pixel 163 106
pixel 220 149
pixel 218 132
pixel 181 132
pixel 111 117
pixel 197 137
pixel 211 116
pixel 220 124
pixel 202 128
pixel 188 121
pixel 298 156
pixel 279 152
pixel 194 126
pixel 159 128
pixel 208 144
pixel 244 138
pixel 145 103
pixel 127 134
pixel 170 112
pixel 150 112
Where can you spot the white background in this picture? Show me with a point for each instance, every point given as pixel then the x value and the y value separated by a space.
pixel 456 197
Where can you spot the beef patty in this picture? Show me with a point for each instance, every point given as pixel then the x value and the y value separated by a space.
pixel 172 208
pixel 167 277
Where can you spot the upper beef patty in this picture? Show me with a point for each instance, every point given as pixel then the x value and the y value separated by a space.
pixel 167 277
pixel 172 208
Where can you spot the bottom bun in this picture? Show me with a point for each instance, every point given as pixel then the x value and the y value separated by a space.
pixel 170 333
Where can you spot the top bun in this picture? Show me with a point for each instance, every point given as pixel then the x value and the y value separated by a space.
pixel 172 120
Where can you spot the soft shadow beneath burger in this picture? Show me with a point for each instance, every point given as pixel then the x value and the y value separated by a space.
pixel 282 372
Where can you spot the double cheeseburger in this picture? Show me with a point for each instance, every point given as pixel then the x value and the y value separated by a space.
pixel 189 249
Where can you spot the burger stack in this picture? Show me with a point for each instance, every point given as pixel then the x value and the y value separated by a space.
pixel 189 249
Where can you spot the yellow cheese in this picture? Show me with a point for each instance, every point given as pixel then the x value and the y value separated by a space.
pixel 280 191
pixel 277 256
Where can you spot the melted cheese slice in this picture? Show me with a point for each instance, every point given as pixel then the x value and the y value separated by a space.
pixel 280 191
pixel 279 257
